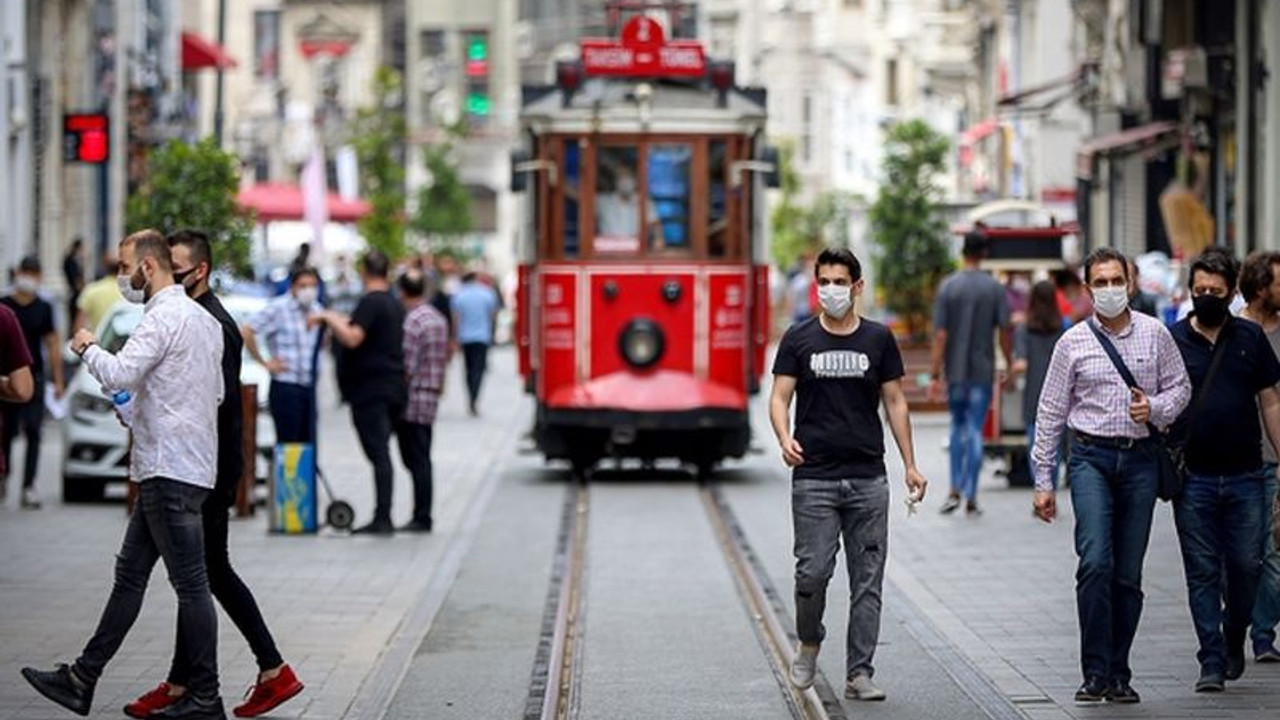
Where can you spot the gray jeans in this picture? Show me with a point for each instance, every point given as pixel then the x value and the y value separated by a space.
pixel 822 512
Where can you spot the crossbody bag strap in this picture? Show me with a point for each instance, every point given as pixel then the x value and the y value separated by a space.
pixel 1214 364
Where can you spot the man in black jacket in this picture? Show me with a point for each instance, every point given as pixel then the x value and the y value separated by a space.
pixel 276 683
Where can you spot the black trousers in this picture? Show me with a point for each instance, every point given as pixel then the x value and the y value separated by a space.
pixel 230 592
pixel 26 418
pixel 292 411
pixel 415 450
pixel 476 357
pixel 166 526
pixel 374 420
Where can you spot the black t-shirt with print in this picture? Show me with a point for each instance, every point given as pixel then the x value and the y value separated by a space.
pixel 838 379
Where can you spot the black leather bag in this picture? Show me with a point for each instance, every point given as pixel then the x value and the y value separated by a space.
pixel 1171 463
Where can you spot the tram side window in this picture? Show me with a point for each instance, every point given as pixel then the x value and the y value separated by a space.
pixel 717 198
pixel 572 174
pixel 668 182
pixel 618 222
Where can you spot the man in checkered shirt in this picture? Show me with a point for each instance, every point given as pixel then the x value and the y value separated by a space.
pixel 294 350
pixel 1113 463
pixel 426 354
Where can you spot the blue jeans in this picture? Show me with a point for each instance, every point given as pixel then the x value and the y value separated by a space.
pixel 1113 493
pixel 968 402
pixel 1266 610
pixel 1031 443
pixel 1220 520
pixel 824 511
pixel 166 525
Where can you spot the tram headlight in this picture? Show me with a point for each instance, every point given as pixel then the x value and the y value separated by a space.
pixel 641 343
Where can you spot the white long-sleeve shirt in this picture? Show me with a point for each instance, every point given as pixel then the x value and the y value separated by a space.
pixel 171 365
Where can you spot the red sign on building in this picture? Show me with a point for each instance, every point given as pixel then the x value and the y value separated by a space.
pixel 86 138
pixel 643 51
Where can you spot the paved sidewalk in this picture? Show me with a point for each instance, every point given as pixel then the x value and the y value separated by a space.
pixel 333 602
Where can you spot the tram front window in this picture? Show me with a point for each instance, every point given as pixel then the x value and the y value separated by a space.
pixel 668 171
pixel 617 204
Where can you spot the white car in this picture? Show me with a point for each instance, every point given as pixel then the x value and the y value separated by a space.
pixel 95 444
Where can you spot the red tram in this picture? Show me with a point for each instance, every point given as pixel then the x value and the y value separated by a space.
pixel 643 310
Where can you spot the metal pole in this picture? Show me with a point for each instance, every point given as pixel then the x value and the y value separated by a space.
pixel 218 92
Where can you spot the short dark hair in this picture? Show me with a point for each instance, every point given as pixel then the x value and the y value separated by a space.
pixel 470 276
pixel 976 245
pixel 1105 255
pixel 1218 261
pixel 376 263
pixel 150 244
pixel 839 256
pixel 412 284
pixel 298 272
pixel 29 264
pixel 197 241
pixel 1258 273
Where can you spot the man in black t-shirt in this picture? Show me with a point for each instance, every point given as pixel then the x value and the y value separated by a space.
pixel 372 376
pixel 1220 514
pixel 840 368
pixel 35 315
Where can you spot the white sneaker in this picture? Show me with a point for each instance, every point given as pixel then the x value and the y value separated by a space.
pixel 30 500
pixel 804 666
pixel 860 687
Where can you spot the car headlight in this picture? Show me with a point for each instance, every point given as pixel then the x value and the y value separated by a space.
pixel 86 404
pixel 641 343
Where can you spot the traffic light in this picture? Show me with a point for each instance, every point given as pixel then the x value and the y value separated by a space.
pixel 86 138
pixel 477 65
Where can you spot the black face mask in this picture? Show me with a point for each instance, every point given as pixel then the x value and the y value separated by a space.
pixel 1211 310
pixel 181 278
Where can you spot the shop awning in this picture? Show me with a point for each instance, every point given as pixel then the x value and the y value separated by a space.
pixel 1144 138
pixel 284 201
pixel 1033 99
pixel 973 135
pixel 198 54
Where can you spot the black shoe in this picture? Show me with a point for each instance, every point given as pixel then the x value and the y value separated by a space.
pixel 1235 660
pixel 1121 692
pixel 60 686
pixel 972 509
pixel 375 528
pixel 417 526
pixel 951 505
pixel 192 707
pixel 1210 682
pixel 1094 690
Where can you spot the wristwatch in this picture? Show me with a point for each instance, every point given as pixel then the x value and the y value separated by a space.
pixel 84 348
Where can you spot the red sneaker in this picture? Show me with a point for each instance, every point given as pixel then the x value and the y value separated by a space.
pixel 270 694
pixel 153 701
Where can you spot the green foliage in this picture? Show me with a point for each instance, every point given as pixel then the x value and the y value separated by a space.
pixel 795 229
pixel 194 186
pixel 380 134
pixel 913 253
pixel 444 206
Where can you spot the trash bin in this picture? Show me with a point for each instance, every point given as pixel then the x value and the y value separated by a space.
pixel 293 500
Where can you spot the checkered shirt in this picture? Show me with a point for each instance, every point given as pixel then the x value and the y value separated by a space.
pixel 283 325
pixel 1083 390
pixel 426 353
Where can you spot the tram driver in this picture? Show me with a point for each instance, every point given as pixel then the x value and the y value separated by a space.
pixel 617 209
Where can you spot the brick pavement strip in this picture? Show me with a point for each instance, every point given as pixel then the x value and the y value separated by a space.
pixel 334 603
pixel 1001 589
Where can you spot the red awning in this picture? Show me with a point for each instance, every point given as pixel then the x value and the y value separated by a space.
pixel 1144 138
pixel 973 135
pixel 198 53
pixel 283 201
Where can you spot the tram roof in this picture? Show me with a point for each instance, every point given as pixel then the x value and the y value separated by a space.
pixel 613 104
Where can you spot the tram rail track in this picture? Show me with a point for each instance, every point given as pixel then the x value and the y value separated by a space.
pixel 555 690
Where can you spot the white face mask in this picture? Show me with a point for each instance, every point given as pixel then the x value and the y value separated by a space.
pixel 307 296
pixel 26 284
pixel 626 185
pixel 835 300
pixel 137 296
pixel 1111 302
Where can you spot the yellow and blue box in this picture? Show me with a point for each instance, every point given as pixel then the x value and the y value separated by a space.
pixel 294 500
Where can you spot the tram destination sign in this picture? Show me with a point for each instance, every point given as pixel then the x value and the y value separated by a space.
pixel 643 51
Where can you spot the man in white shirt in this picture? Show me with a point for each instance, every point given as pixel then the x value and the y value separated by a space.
pixel 170 368
pixel 618 212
